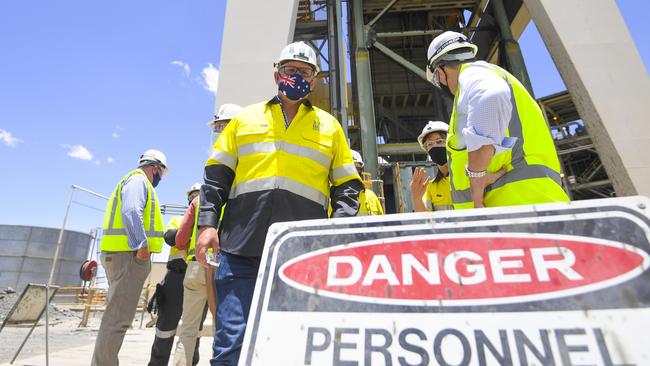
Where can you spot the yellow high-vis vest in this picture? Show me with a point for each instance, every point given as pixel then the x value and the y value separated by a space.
pixel 114 237
pixel 175 253
pixel 191 250
pixel 532 166
pixel 369 204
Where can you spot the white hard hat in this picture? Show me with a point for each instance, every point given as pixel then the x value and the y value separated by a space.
pixel 432 126
pixel 154 156
pixel 443 44
pixel 226 113
pixel 299 51
pixel 357 157
pixel 195 187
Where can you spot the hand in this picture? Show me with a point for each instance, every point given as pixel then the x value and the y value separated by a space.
pixel 143 253
pixel 478 185
pixel 207 237
pixel 419 184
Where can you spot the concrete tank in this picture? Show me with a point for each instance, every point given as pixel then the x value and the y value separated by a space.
pixel 26 255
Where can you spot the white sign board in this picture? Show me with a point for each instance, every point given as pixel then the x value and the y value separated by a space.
pixel 557 284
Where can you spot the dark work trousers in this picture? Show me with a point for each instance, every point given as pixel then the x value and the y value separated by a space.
pixel 170 308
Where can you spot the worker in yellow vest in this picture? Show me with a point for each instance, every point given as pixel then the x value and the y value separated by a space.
pixel 500 150
pixel 281 160
pixel 432 194
pixel 199 291
pixel 168 298
pixel 133 228
pixel 369 203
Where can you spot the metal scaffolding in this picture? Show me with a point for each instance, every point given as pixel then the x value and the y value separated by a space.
pixel 389 99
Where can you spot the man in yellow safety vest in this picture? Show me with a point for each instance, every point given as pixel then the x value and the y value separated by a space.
pixel 500 150
pixel 133 228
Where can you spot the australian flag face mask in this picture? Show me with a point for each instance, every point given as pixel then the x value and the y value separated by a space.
pixel 294 86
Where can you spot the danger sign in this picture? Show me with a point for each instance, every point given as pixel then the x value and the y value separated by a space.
pixel 560 284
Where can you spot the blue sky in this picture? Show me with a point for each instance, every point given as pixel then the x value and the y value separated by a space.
pixel 87 86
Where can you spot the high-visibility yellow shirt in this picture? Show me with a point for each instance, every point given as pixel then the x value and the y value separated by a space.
pixel 533 168
pixel 280 173
pixel 369 203
pixel 174 224
pixel 114 237
pixel 437 197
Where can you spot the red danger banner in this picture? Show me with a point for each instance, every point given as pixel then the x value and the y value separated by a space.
pixel 465 269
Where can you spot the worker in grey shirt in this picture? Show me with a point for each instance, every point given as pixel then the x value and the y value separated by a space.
pixel 133 228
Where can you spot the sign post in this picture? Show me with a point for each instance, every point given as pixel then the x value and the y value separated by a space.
pixel 555 284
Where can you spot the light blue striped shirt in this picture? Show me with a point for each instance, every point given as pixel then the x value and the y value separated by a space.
pixel 134 199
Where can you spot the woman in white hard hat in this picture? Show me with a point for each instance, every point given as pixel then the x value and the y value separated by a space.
pixel 427 194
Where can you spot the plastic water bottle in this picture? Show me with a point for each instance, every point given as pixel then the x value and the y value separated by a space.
pixel 212 259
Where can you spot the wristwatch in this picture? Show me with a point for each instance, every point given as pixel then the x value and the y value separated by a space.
pixel 471 174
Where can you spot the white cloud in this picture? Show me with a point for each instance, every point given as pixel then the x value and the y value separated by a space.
pixel 116 135
pixel 78 152
pixel 110 160
pixel 210 78
pixel 8 138
pixel 184 66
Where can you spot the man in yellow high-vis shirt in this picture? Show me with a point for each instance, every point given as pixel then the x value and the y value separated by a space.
pixel 282 160
pixel 500 150
pixel 133 228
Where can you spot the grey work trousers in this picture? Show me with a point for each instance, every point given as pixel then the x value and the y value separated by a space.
pixel 194 311
pixel 126 275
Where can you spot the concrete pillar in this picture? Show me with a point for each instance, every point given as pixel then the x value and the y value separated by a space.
pixel 602 69
pixel 254 33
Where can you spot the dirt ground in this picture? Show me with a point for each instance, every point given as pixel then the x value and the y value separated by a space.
pixel 63 331
pixel 72 346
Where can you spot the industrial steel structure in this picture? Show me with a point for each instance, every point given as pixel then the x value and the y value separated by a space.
pixel 373 54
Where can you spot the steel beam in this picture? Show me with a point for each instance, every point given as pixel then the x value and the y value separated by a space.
pixel 343 84
pixel 598 183
pixel 575 149
pixel 364 91
pixel 400 149
pixel 332 50
pixel 408 65
pixel 383 11
pixel 428 32
pixel 516 63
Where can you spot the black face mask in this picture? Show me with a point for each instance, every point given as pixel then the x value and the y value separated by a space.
pixel 360 171
pixel 438 155
pixel 156 179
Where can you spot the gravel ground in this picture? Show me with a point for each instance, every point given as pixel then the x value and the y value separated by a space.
pixel 63 331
